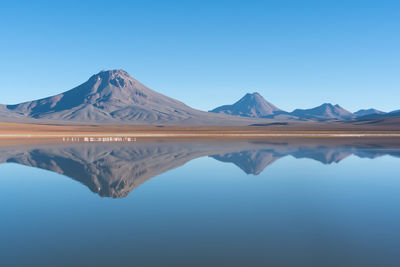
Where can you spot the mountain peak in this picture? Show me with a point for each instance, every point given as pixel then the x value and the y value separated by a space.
pixel 115 72
pixel 250 105
pixel 118 78
pixel 253 94
pixel 330 105
pixel 112 74
pixel 326 111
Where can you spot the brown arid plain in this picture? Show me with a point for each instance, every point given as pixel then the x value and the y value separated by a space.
pixel 13 133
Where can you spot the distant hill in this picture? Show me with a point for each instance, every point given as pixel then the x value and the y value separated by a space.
pixel 114 97
pixel 255 106
pixel 365 112
pixel 251 105
pixel 380 116
pixel 325 111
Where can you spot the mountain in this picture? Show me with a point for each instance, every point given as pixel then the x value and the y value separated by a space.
pixel 114 97
pixel 251 105
pixel 326 111
pixel 365 112
pixel 255 106
pixel 380 116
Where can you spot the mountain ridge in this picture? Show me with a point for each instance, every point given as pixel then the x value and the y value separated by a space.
pixel 254 105
pixel 326 111
pixel 114 97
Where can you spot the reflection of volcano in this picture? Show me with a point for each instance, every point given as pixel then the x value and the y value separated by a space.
pixel 109 170
pixel 256 160
pixel 114 170
pixel 324 155
pixel 251 161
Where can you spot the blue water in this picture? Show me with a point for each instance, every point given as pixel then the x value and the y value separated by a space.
pixel 295 212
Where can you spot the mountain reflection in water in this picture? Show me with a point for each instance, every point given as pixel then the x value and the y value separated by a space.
pixel 114 170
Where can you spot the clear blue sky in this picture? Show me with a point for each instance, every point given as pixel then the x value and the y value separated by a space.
pixel 208 53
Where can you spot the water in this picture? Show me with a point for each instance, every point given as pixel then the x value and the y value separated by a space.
pixel 200 204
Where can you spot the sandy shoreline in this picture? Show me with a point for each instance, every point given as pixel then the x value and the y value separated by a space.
pixel 36 133
pixel 194 135
pixel 320 138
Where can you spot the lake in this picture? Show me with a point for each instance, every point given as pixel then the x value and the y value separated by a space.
pixel 201 203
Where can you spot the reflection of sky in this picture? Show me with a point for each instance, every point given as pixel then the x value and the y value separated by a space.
pixel 295 211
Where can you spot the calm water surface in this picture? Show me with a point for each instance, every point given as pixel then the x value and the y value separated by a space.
pixel 200 204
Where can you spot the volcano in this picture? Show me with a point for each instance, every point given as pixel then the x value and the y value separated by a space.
pixel 251 105
pixel 114 97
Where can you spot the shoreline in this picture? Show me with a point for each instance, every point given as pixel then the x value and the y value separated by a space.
pixel 93 138
pixel 194 135
pixel 36 133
